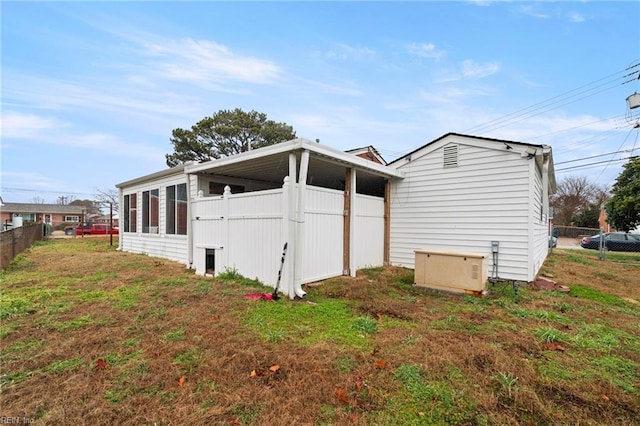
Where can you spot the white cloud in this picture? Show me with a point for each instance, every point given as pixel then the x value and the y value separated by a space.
pixel 20 126
pixel 532 11
pixel 425 50
pixel 201 61
pixel 347 52
pixel 576 17
pixel 472 69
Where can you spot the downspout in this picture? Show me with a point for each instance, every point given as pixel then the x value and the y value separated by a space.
pixel 545 186
pixel 302 190
pixel 189 224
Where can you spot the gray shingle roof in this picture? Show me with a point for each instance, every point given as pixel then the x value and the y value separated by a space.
pixel 40 208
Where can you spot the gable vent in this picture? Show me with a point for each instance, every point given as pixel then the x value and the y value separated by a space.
pixel 450 158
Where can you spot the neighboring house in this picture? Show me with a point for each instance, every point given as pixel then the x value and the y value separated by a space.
pixel 460 193
pixel 52 214
pixel 341 211
pixel 368 153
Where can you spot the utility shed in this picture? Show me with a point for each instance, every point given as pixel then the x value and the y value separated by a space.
pixel 460 193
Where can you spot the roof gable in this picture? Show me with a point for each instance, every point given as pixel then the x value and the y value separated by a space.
pixel 499 144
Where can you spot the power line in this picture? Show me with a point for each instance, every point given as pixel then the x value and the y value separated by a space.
pixel 589 165
pixel 14 189
pixel 527 112
pixel 596 156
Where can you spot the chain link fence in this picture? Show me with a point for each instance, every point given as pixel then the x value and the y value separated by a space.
pixel 15 241
pixel 596 239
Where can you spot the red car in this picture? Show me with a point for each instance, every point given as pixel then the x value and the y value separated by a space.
pixel 91 229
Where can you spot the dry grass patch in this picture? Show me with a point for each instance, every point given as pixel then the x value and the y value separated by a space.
pixel 116 338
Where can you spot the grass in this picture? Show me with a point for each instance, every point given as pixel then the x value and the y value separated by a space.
pixel 116 338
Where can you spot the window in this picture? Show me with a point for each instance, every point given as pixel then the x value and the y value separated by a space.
pixel 450 156
pixel 72 218
pixel 130 212
pixel 177 209
pixel 150 211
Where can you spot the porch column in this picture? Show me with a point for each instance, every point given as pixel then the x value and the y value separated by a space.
pixel 346 224
pixel 302 191
pixel 352 223
pixel 387 223
pixel 292 248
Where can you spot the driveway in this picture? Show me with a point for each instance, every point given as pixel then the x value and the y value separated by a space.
pixel 569 243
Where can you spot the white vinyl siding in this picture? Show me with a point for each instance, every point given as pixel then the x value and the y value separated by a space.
pixel 485 198
pixel 173 247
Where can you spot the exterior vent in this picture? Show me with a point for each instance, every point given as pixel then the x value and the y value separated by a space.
pixel 450 156
pixel 455 272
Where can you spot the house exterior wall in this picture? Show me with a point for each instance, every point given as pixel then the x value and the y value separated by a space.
pixel 486 197
pixel 173 247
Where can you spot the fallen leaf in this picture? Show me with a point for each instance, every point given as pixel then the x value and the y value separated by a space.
pixel 381 363
pixel 215 317
pixel 341 394
pixel 358 383
pixel 379 316
pixel 421 414
pixel 101 364
pixel 254 373
pixel 181 381
pixel 605 397
pixel 274 368
pixel 553 346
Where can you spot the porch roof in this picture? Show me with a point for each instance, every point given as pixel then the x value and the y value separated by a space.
pixel 271 163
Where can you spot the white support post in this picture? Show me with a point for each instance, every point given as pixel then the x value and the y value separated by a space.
pixel 302 190
pixel 225 229
pixel 286 282
pixel 291 226
pixel 352 224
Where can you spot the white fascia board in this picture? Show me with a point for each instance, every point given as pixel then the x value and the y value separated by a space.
pixel 162 173
pixel 295 145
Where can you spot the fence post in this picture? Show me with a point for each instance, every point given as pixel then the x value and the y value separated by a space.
pixel 601 245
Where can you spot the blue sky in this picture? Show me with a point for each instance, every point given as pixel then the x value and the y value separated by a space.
pixel 91 91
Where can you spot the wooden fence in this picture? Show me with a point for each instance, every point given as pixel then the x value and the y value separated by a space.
pixel 15 241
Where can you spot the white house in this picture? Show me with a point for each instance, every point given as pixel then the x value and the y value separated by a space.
pixel 461 193
pixel 341 211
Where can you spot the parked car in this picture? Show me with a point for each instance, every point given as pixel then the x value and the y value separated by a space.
pixel 79 229
pixel 91 229
pixel 614 241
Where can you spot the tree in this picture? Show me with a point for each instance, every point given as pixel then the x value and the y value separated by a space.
pixel 623 208
pixel 106 197
pixel 226 133
pixel 575 202
pixel 89 206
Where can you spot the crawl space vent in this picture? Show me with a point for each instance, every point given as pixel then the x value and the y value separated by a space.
pixel 450 156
